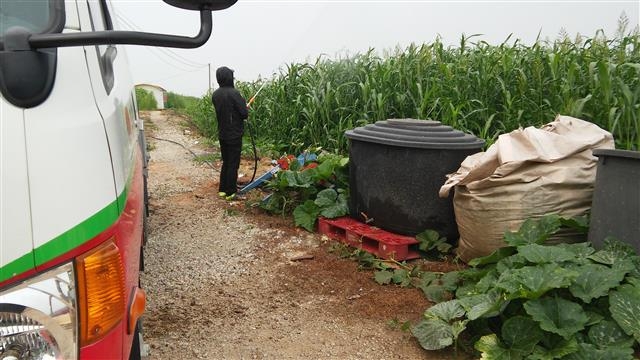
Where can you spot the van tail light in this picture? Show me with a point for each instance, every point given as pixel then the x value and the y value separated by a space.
pixel 136 309
pixel 100 292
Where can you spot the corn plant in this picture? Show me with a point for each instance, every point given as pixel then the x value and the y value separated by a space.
pixel 475 87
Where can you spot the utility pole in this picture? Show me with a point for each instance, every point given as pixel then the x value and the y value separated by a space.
pixel 209 77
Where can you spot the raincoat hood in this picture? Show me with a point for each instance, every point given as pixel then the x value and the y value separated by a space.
pixel 224 76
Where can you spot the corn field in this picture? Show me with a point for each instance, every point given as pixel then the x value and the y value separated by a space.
pixel 476 87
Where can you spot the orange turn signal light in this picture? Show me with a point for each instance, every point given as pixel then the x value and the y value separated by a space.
pixel 100 292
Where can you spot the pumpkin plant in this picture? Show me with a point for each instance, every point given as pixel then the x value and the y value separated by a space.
pixel 309 191
pixel 531 300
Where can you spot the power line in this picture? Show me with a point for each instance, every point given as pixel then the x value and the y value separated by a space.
pixel 176 75
pixel 133 26
pixel 171 54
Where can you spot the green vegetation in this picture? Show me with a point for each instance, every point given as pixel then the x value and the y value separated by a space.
pixel 479 88
pixel 203 117
pixel 180 102
pixel 529 300
pixel 310 190
pixel 145 100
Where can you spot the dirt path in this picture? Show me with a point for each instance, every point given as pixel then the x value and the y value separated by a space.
pixel 221 284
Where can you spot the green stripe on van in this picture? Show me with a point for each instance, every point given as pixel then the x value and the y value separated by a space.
pixel 70 239
pixel 82 232
pixel 17 266
pixel 77 235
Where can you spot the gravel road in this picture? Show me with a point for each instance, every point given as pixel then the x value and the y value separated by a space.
pixel 223 282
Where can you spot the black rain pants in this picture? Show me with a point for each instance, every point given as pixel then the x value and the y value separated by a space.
pixel 230 151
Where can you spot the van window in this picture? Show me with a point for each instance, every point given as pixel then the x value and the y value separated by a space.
pixel 101 21
pixel 38 17
pixel 35 16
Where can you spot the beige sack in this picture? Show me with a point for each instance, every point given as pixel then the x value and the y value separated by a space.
pixel 527 173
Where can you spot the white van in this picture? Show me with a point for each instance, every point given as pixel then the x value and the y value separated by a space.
pixel 73 164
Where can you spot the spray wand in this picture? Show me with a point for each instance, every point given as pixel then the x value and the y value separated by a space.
pixel 254 96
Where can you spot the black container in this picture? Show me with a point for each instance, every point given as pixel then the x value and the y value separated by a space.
pixel 396 169
pixel 615 209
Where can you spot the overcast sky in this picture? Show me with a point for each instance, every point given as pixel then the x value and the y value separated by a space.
pixel 258 37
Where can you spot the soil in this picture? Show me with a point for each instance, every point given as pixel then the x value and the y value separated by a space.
pixel 225 280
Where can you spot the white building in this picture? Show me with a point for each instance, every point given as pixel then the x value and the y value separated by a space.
pixel 158 93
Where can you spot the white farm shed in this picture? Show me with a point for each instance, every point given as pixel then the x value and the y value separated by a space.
pixel 158 93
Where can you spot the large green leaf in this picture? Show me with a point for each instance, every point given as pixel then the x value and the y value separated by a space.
pixel 483 305
pixel 305 215
pixel 613 250
pixel 514 261
pixel 296 179
pixel 402 277
pixel 494 257
pixel 450 280
pixel 608 333
pixel 534 231
pixel 624 305
pixel 326 197
pixel 433 334
pixel 435 293
pixel 531 282
pixel 580 250
pixel 591 352
pixel 383 277
pixel 491 349
pixel 580 223
pixel 521 334
pixel 559 351
pixel 487 282
pixel 332 204
pixel 427 277
pixel 326 169
pixel 540 254
pixel 595 280
pixel 557 315
pixel 446 311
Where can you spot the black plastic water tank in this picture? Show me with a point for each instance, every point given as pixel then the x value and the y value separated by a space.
pixel 615 209
pixel 397 167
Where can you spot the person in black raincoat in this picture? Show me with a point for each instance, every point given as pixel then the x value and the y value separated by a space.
pixel 231 111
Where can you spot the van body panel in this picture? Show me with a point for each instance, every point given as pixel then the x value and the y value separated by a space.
pixel 69 161
pixel 72 21
pixel 16 240
pixel 73 179
pixel 114 100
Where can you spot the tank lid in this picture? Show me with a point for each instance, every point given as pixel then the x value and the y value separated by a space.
pixel 629 154
pixel 414 133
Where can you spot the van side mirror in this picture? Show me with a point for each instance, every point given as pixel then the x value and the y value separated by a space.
pixel 212 5
pixel 28 60
pixel 112 37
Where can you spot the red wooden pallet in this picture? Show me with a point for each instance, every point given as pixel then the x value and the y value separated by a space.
pixel 381 243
